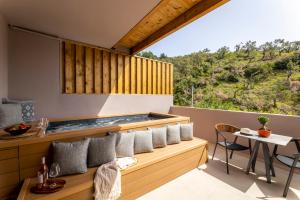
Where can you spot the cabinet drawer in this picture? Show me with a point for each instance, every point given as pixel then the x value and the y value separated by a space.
pixel 9 165
pixel 9 179
pixel 8 153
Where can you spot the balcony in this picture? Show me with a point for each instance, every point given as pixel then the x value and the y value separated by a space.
pixel 77 62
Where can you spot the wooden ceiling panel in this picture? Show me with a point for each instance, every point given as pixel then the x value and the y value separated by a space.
pixel 167 17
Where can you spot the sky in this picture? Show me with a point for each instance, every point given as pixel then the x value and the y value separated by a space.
pixel 235 22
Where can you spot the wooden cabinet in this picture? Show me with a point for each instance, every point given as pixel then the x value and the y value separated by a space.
pixel 9 172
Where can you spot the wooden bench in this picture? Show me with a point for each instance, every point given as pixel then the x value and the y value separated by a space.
pixel 152 170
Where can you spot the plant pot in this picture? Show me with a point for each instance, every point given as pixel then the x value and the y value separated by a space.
pixel 264 132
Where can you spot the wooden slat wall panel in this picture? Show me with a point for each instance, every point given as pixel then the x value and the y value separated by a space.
pixel 163 78
pixel 113 73
pixel 138 76
pixel 80 72
pixel 171 78
pixel 149 76
pixel 121 77
pixel 106 72
pixel 69 68
pixel 133 75
pixel 98 71
pixel 167 78
pixel 154 77
pixel 159 78
pixel 87 70
pixel 144 76
pixel 126 75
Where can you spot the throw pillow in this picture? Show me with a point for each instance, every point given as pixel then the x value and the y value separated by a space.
pixel 71 156
pixel 125 144
pixel 159 137
pixel 101 150
pixel 173 134
pixel 143 141
pixel 186 131
pixel 10 114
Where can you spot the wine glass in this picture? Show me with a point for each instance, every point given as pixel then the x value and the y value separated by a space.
pixel 54 170
pixel 43 124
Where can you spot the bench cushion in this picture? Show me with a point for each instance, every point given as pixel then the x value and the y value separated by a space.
pixel 71 156
pixel 125 144
pixel 101 150
pixel 186 131
pixel 143 141
pixel 159 137
pixel 173 134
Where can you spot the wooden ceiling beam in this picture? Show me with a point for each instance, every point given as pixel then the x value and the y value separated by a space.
pixel 195 12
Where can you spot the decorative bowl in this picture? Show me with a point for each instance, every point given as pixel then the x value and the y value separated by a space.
pixel 17 131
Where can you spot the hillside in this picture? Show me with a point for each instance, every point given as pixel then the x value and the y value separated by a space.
pixel 251 78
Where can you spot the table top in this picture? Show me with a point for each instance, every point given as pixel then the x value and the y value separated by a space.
pixel 272 139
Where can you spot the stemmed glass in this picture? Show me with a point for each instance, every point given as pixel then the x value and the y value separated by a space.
pixel 53 173
pixel 54 170
pixel 43 124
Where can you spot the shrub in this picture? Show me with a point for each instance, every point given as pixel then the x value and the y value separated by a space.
pixel 283 63
pixel 258 71
pixel 263 120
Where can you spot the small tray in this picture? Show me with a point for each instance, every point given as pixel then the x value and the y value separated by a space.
pixel 53 185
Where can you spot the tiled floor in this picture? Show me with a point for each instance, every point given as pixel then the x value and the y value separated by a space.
pixel 210 182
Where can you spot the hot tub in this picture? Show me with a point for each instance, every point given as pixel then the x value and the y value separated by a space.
pixel 71 125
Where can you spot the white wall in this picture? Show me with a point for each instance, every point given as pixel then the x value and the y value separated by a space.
pixel 34 74
pixel 3 58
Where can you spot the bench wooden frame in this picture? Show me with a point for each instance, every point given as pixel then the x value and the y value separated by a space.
pixel 152 170
pixel 20 160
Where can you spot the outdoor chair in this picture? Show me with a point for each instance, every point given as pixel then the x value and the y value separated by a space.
pixel 221 131
pixel 290 161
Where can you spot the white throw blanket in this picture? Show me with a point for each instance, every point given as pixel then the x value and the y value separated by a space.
pixel 107 182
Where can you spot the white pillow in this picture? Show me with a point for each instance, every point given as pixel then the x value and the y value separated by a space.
pixel 143 141
pixel 125 144
pixel 159 137
pixel 186 131
pixel 173 134
pixel 10 114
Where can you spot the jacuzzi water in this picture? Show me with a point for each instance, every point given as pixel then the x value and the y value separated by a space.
pixel 70 125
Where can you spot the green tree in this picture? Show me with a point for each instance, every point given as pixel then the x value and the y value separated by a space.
pixel 291 69
pixel 148 54
pixel 221 53
pixel 163 56
pixel 279 45
pixel 268 50
pixel 249 48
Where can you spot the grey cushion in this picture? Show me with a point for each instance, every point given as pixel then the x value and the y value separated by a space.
pixel 143 141
pixel 125 144
pixel 159 137
pixel 186 131
pixel 71 156
pixel 10 114
pixel 101 150
pixel 173 134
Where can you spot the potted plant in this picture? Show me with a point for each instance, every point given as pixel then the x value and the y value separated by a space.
pixel 263 131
